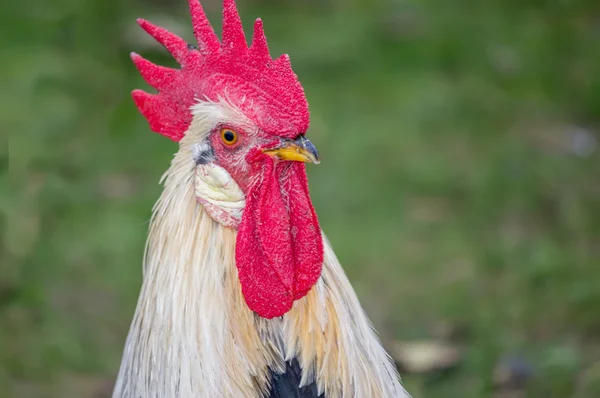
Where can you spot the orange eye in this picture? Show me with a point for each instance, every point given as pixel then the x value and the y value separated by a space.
pixel 229 136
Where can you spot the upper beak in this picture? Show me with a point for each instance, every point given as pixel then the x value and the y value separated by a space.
pixel 298 150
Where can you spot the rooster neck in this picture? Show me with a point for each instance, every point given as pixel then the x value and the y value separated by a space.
pixel 193 334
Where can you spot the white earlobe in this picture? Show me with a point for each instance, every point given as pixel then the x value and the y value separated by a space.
pixel 220 195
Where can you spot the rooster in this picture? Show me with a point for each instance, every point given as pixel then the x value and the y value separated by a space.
pixel 242 295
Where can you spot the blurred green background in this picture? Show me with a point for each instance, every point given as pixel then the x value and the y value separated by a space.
pixel 460 181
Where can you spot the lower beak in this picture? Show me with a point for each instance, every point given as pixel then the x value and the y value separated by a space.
pixel 298 150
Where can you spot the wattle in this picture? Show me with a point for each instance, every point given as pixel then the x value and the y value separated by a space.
pixel 279 247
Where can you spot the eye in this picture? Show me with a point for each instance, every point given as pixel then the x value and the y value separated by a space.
pixel 229 136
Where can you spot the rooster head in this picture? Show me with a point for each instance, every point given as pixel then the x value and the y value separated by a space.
pixel 244 117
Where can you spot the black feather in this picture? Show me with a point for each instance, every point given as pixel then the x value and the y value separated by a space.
pixel 204 154
pixel 287 384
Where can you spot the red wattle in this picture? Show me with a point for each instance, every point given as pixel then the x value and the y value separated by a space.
pixel 279 248
pixel 306 233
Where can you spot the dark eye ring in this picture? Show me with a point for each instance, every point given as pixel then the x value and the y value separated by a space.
pixel 229 136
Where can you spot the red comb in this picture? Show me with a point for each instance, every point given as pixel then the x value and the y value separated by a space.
pixel 266 90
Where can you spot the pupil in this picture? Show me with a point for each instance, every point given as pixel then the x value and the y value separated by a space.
pixel 229 136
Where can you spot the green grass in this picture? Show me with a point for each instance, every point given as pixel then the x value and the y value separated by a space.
pixel 455 185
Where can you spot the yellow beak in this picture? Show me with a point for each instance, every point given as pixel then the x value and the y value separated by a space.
pixel 298 150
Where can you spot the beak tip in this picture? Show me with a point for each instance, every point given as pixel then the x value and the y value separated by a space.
pixel 310 148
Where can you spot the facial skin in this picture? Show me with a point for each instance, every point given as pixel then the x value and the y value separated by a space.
pixel 240 150
pixel 237 157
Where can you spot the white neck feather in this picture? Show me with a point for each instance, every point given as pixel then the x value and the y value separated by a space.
pixel 193 335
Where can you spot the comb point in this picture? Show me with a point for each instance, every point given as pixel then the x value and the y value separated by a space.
pixel 259 47
pixel 283 63
pixel 173 43
pixel 203 31
pixel 155 75
pixel 142 100
pixel 234 39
